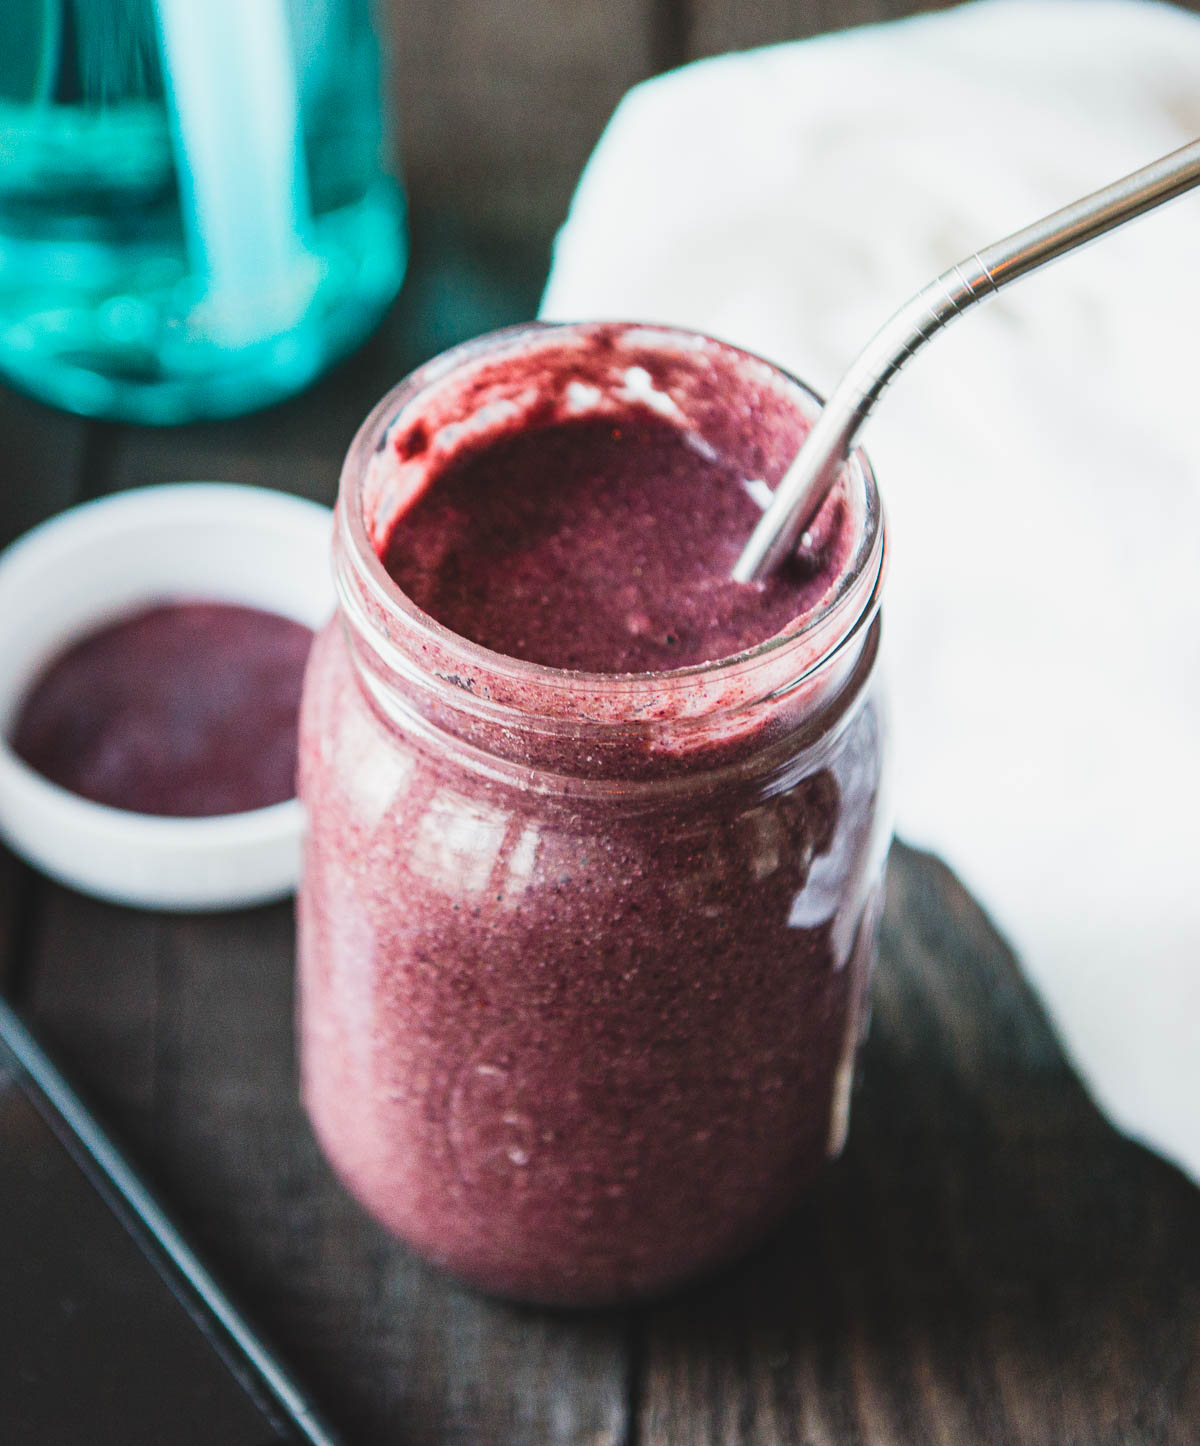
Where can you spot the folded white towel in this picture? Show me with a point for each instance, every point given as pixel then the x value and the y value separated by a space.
pixel 1040 463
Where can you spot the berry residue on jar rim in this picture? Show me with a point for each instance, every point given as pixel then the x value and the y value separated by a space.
pixel 576 497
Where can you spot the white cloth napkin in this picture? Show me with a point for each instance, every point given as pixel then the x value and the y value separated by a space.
pixel 1040 462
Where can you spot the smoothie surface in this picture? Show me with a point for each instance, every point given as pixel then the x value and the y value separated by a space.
pixel 600 537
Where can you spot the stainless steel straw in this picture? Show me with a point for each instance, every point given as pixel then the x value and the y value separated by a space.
pixel 807 482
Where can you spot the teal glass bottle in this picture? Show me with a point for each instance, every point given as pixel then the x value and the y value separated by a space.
pixel 196 216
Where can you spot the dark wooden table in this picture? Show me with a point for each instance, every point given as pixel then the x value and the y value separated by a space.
pixel 989 1262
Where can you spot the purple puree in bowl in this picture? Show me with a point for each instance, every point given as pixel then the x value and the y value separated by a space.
pixel 583 961
pixel 186 709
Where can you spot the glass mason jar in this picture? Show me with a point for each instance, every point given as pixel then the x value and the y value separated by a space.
pixel 583 958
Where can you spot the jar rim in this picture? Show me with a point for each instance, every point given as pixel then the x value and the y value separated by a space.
pixel 842 616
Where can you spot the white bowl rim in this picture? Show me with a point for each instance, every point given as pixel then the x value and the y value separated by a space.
pixel 35 555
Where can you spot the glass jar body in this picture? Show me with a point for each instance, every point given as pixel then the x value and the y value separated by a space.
pixel 579 1040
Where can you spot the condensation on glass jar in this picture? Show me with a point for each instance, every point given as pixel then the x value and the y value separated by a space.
pixel 583 958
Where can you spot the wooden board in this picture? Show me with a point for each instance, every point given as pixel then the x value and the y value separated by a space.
pixel 499 102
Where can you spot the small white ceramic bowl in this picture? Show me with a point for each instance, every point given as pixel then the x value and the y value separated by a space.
pixel 187 540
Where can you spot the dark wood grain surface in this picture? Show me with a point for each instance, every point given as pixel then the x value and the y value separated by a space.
pixel 989 1262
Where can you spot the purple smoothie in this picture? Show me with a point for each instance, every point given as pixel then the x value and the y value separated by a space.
pixel 596 835
pixel 185 708
pixel 602 545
